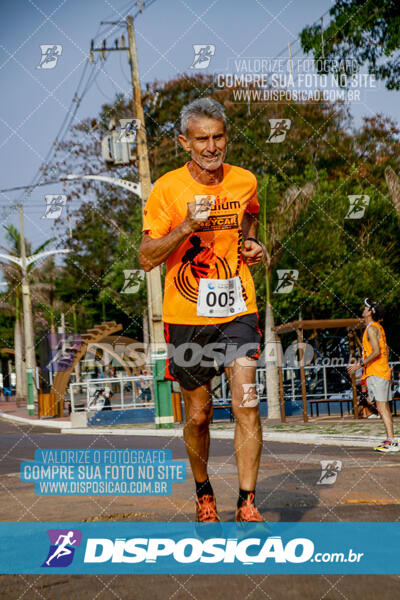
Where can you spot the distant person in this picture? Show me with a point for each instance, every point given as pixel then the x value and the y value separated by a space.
pixel 366 409
pixel 375 362
pixel 107 398
pixel 145 394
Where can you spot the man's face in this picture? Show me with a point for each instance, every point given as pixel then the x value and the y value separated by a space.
pixel 366 312
pixel 206 141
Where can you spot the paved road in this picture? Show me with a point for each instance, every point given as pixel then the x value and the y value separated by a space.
pixel 367 489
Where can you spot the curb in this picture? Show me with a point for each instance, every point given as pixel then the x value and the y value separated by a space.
pixel 296 438
pixel 46 423
pixel 318 439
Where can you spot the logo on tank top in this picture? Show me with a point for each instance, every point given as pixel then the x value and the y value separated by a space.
pixel 200 261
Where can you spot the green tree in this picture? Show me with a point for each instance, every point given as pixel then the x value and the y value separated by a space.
pixel 365 31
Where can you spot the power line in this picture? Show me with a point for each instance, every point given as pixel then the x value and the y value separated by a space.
pixel 297 40
pixel 76 100
pixel 71 112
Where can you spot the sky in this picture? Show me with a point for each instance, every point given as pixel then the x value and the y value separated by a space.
pixel 34 101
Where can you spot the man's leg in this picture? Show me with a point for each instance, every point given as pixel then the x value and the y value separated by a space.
pixel 386 414
pixel 248 436
pixel 379 389
pixel 198 412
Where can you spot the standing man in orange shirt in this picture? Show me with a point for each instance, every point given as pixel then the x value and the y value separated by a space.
pixel 375 362
pixel 202 220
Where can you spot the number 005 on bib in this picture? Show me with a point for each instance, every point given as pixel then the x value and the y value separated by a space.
pixel 220 297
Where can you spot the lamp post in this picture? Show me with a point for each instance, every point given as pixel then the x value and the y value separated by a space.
pixel 23 262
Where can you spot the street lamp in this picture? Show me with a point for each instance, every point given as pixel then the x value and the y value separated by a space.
pixel 23 262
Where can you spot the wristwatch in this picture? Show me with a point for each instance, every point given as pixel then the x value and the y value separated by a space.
pixel 253 240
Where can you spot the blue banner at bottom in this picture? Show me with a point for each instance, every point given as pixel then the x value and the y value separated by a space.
pixel 152 548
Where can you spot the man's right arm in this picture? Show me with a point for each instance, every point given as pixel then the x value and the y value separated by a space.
pixel 154 252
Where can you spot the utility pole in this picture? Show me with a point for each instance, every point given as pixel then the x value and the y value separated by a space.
pixel 30 359
pixel 154 291
pixel 153 278
pixel 162 389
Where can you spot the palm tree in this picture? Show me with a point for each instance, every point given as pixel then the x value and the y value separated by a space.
pixel 276 225
pixel 13 298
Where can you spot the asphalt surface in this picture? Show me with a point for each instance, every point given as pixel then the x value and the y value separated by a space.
pixel 367 488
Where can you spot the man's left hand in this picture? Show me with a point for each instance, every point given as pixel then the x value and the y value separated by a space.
pixel 252 252
pixel 353 368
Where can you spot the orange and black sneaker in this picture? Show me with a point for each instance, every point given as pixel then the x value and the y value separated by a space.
pixel 248 513
pixel 206 509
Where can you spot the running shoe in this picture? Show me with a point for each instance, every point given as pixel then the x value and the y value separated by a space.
pixel 206 509
pixel 387 446
pixel 248 512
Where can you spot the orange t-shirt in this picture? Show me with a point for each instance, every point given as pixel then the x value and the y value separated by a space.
pixel 214 250
pixel 380 366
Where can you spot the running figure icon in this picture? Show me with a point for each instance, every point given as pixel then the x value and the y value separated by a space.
pixel 62 550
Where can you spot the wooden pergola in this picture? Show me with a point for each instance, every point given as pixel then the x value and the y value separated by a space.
pixel 61 379
pixel 299 327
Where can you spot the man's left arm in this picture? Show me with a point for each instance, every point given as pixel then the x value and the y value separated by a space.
pixel 252 251
pixel 373 338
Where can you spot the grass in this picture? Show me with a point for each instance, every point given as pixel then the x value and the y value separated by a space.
pixel 362 427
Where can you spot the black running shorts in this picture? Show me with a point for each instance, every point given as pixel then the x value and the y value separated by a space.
pixel 196 353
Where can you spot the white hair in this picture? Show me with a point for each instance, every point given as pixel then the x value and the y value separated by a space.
pixel 202 107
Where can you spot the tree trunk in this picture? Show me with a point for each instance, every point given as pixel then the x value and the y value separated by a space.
pixel 271 365
pixel 19 364
pixel 393 184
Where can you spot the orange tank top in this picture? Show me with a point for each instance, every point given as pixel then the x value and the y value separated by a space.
pixel 380 366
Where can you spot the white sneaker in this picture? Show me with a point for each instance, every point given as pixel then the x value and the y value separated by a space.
pixel 387 446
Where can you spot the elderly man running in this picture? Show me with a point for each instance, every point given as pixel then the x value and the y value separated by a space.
pixel 202 219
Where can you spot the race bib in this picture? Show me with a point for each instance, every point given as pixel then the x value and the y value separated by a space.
pixel 220 297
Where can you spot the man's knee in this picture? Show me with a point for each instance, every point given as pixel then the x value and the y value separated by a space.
pixel 383 408
pixel 199 418
pixel 246 416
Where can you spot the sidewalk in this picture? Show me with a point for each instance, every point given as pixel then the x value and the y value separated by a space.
pixel 322 430
pixel 10 410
